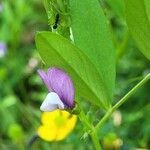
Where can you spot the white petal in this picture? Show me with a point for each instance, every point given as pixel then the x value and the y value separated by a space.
pixel 52 102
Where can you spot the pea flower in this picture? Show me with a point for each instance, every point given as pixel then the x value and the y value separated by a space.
pixel 56 125
pixel 3 49
pixel 60 87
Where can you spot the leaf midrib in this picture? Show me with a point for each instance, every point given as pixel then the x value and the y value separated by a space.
pixel 75 71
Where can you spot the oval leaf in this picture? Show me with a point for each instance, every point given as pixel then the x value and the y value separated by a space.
pixel 147 4
pixel 138 24
pixel 57 51
pixel 91 34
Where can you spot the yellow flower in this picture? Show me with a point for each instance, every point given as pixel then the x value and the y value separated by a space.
pixel 56 125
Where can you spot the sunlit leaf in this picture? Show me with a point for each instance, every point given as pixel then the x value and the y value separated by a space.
pixel 91 34
pixel 147 5
pixel 117 6
pixel 138 24
pixel 57 51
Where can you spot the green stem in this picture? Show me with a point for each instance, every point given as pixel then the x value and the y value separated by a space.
pixel 84 120
pixel 90 127
pixel 123 100
pixel 96 141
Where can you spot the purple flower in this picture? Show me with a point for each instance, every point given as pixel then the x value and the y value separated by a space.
pixel 60 87
pixel 3 49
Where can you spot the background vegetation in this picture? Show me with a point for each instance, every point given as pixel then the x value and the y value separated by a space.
pixel 22 91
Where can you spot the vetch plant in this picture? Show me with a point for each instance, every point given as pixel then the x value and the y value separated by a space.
pixel 89 61
pixel 61 90
pixel 3 49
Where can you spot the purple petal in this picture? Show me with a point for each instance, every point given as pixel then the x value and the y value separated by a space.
pixel 45 79
pixel 62 84
pixel 3 49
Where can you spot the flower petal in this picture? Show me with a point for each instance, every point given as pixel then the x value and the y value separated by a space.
pixel 52 102
pixel 45 79
pixel 3 49
pixel 61 84
pixel 47 133
pixel 48 118
pixel 51 131
pixel 64 131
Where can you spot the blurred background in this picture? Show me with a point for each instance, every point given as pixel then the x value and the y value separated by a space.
pixel 22 91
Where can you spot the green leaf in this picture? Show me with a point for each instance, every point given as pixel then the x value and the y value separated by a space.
pixel 117 6
pixel 92 35
pixel 138 24
pixel 147 4
pixel 57 51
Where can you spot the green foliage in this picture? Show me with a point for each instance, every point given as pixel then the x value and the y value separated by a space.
pixel 22 91
pixel 15 132
pixel 58 51
pixel 117 7
pixel 147 5
pixel 138 24
pixel 58 8
pixel 92 35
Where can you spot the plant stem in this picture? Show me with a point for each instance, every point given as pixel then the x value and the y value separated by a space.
pixel 96 141
pixel 90 127
pixel 84 120
pixel 123 100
